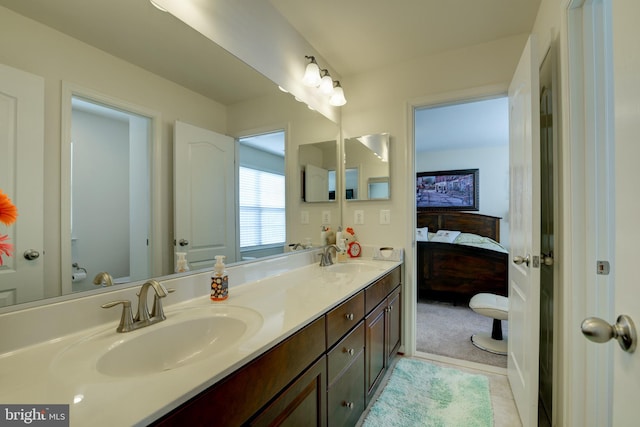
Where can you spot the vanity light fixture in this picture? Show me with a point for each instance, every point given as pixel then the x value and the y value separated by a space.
pixel 337 99
pixel 311 76
pixel 326 83
pixel 315 77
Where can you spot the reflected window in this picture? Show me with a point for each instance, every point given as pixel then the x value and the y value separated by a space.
pixel 262 208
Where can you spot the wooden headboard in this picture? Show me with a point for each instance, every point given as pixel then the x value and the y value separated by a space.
pixel 483 225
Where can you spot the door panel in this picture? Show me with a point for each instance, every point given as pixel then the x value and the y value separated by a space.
pixel 524 277
pixel 21 178
pixel 626 66
pixel 204 194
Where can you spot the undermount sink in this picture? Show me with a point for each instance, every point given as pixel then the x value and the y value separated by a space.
pixel 354 267
pixel 187 336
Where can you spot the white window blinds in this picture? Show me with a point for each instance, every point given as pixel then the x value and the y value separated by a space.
pixel 262 208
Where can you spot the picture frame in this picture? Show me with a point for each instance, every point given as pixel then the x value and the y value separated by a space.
pixel 455 190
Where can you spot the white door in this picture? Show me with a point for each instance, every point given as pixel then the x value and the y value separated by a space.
pixel 204 195
pixel 316 184
pixel 21 178
pixel 626 70
pixel 524 228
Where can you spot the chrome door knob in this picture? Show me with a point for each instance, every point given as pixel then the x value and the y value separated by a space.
pixel 598 330
pixel 522 260
pixel 183 242
pixel 31 254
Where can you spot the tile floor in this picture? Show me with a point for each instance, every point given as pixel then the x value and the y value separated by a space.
pixel 505 413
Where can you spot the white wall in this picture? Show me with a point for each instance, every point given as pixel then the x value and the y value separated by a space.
pixel 387 109
pixel 493 165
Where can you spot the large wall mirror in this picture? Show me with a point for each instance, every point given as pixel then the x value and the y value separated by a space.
pixel 150 61
pixel 367 167
pixel 318 165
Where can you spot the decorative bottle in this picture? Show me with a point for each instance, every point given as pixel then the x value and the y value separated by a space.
pixel 219 281
pixel 181 264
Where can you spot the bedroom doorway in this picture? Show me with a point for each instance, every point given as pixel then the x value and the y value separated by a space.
pixel 466 134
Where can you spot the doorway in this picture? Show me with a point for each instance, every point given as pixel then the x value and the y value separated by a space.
pixel 110 170
pixel 465 134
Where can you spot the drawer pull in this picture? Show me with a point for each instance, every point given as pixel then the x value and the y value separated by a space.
pixel 350 351
pixel 348 405
pixel 348 316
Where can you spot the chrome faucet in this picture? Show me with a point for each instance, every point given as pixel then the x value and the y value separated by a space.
pixel 143 318
pixel 103 279
pixel 325 256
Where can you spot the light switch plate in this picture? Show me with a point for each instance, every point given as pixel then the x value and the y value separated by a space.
pixel 385 216
pixel 326 217
pixel 358 217
pixel 304 217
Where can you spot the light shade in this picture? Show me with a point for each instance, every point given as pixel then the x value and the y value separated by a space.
pixel 326 83
pixel 311 76
pixel 337 99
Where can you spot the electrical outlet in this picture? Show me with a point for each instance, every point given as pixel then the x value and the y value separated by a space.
pixel 304 217
pixel 358 217
pixel 326 217
pixel 385 216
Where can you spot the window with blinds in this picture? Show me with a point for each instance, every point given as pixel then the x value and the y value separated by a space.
pixel 262 208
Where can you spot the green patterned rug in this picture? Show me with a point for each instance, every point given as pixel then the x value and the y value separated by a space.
pixel 422 394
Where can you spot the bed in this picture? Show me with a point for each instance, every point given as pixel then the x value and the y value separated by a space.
pixel 453 271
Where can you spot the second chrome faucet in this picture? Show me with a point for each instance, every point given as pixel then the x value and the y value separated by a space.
pixel 143 317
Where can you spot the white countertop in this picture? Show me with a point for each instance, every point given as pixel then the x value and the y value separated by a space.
pixel 286 301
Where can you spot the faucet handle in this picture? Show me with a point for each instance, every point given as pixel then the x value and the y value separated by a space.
pixel 157 310
pixel 126 319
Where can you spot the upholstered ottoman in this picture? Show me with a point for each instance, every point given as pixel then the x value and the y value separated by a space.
pixel 497 308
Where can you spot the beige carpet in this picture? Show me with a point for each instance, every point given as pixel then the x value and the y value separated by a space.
pixel 445 330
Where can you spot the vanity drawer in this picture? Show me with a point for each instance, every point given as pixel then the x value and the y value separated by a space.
pixel 344 317
pixel 378 291
pixel 345 352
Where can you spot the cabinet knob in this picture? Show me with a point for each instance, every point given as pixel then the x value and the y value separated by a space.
pixel 348 316
pixel 348 404
pixel 350 351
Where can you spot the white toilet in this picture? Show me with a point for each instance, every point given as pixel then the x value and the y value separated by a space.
pixel 497 308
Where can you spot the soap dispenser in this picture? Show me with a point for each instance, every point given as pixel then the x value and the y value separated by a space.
pixel 181 264
pixel 219 280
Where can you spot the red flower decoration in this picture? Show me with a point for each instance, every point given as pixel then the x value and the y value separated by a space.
pixel 5 248
pixel 8 211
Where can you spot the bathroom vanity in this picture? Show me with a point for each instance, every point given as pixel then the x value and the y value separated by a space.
pixel 294 341
pixel 325 374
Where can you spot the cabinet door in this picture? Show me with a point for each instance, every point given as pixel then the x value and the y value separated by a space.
pixel 346 396
pixel 375 348
pixel 394 310
pixel 303 403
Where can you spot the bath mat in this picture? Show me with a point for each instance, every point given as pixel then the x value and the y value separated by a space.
pixel 423 394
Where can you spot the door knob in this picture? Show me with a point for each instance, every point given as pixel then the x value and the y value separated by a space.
pixel 520 260
pixel 598 330
pixel 31 254
pixel 183 242
pixel 547 259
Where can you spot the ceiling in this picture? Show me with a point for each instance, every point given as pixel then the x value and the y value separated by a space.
pixel 358 35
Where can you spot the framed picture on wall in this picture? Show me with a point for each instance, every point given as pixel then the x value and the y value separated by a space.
pixel 455 190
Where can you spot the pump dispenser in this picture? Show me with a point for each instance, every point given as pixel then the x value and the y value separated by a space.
pixel 219 280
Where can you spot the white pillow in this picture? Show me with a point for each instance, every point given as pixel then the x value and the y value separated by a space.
pixel 422 234
pixel 445 236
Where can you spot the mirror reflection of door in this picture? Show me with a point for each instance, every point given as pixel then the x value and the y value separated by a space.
pixel 262 201
pixel 110 193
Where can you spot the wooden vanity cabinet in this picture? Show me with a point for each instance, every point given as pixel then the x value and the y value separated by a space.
pixel 382 328
pixel 240 398
pixel 325 374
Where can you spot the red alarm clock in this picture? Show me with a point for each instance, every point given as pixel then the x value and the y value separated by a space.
pixel 354 249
